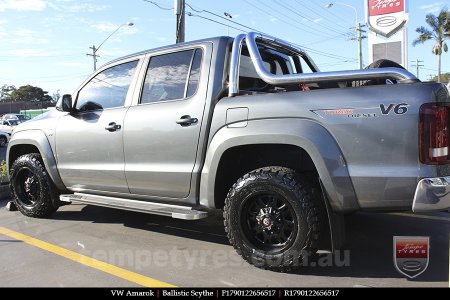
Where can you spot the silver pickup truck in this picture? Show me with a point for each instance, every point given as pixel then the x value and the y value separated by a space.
pixel 248 125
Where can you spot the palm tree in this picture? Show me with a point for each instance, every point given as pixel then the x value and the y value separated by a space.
pixel 440 31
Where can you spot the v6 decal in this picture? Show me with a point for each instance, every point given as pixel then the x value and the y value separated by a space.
pixel 398 109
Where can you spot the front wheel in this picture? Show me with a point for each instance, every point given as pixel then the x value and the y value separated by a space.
pixel 271 219
pixel 32 188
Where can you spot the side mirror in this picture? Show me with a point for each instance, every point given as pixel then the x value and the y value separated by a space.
pixel 65 104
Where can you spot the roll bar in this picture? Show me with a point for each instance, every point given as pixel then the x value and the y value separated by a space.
pixel 253 39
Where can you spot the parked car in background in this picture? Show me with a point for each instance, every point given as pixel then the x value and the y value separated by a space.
pixel 448 86
pixel 8 125
pixel 18 117
pixel 4 138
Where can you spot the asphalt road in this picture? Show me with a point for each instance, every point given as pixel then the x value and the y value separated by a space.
pixel 197 254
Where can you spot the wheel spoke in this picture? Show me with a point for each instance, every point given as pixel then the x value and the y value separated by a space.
pixel 283 208
pixel 254 207
pixel 276 240
pixel 269 222
pixel 252 214
pixel 282 237
pixel 267 238
pixel 288 223
pixel 255 227
pixel 271 202
pixel 28 188
pixel 260 203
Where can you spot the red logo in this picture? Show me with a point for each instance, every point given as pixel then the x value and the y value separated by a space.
pixel 411 255
pixel 384 7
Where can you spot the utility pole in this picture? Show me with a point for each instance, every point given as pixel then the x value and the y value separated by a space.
pixel 94 56
pixel 359 38
pixel 359 31
pixel 418 65
pixel 180 11
pixel 95 49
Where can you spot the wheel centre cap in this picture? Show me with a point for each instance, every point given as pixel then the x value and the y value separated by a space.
pixel 29 185
pixel 267 223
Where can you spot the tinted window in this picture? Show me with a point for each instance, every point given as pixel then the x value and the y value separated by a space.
pixel 274 62
pixel 247 69
pixel 107 89
pixel 167 76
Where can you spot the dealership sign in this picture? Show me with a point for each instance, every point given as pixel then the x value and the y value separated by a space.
pixel 386 17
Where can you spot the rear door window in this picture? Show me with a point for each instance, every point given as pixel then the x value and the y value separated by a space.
pixel 172 76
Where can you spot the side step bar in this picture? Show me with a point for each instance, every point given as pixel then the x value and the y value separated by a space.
pixel 174 211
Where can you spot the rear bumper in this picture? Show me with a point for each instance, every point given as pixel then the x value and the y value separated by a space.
pixel 432 194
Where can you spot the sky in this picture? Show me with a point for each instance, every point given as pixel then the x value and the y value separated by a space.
pixel 44 42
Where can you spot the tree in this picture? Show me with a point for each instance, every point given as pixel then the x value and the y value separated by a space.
pixel 30 93
pixel 445 77
pixel 5 92
pixel 439 32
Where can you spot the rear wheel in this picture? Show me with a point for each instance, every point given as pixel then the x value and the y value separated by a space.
pixel 32 188
pixel 271 219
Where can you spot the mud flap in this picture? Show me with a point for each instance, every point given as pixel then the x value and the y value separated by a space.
pixel 336 223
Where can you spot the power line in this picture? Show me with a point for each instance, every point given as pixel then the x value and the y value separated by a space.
pixel 197 16
pixel 326 54
pixel 49 79
pixel 294 11
pixel 50 55
pixel 219 16
pixel 59 80
pixel 335 63
pixel 327 10
pixel 323 41
pixel 325 19
pixel 428 69
pixel 314 32
pixel 321 53
pixel 158 5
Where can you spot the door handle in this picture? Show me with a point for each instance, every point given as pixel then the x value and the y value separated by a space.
pixel 113 127
pixel 186 121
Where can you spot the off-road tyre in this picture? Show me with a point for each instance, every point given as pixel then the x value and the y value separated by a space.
pixel 272 219
pixel 32 189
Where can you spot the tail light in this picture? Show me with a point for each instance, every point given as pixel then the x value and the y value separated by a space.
pixel 435 133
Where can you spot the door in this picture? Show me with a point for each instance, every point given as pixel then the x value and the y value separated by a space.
pixel 89 142
pixel 162 132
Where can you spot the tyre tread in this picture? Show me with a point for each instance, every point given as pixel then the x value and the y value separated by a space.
pixel 45 207
pixel 303 192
